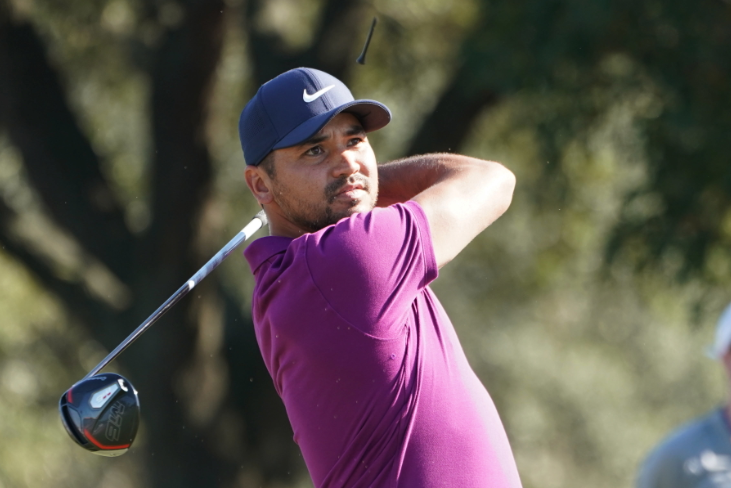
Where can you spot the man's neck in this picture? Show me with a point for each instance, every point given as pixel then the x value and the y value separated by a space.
pixel 280 226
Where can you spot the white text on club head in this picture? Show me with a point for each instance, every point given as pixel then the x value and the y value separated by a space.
pixel 101 397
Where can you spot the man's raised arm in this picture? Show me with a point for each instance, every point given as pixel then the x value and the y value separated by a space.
pixel 460 195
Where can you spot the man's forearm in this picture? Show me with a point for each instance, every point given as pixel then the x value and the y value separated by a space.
pixel 401 180
pixel 459 195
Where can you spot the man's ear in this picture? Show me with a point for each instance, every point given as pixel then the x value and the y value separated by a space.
pixel 259 183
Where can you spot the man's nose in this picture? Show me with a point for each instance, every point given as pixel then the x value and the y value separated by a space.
pixel 348 164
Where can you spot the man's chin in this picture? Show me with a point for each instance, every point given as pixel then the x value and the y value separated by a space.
pixel 332 214
pixel 360 207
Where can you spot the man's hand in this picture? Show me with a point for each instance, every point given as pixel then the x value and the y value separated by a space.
pixel 460 195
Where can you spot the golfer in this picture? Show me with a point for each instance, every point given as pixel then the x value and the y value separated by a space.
pixel 375 382
pixel 698 453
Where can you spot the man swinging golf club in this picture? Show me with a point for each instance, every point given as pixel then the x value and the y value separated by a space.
pixel 373 377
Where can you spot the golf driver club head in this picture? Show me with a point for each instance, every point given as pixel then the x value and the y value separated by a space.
pixel 101 414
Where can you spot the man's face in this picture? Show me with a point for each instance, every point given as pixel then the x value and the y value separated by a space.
pixel 328 177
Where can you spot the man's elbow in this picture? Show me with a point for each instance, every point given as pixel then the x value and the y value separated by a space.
pixel 510 182
pixel 502 185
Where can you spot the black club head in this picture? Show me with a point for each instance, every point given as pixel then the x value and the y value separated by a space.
pixel 101 414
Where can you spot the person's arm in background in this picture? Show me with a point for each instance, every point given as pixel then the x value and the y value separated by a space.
pixel 460 195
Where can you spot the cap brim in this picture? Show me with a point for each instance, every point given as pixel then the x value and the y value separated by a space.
pixel 372 115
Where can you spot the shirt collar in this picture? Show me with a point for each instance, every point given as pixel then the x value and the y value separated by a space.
pixel 264 248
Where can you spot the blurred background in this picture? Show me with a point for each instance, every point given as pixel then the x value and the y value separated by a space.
pixel 584 310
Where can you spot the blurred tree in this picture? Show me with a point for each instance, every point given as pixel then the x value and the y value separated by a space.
pixel 64 170
pixel 191 441
pixel 672 54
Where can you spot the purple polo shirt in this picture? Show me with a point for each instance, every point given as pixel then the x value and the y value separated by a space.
pixel 376 385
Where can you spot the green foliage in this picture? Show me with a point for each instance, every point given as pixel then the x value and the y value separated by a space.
pixel 588 369
pixel 36 349
pixel 597 52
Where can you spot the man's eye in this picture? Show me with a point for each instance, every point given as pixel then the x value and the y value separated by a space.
pixel 314 151
pixel 355 141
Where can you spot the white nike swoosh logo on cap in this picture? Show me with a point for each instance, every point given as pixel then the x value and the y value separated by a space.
pixel 311 98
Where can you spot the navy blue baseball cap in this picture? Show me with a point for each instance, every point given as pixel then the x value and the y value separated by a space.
pixel 294 106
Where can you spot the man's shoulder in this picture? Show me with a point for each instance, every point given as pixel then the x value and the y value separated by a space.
pixel 362 240
pixel 686 442
pixel 369 234
pixel 692 435
pixel 367 268
pixel 694 454
pixel 389 218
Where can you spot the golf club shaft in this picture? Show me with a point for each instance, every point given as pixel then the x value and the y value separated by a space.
pixel 256 223
pixel 361 58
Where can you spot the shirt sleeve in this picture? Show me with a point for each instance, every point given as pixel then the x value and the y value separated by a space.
pixel 371 266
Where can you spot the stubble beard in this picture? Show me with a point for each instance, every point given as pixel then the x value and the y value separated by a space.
pixel 312 216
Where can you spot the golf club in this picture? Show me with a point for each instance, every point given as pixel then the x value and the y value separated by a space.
pixel 361 58
pixel 101 412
